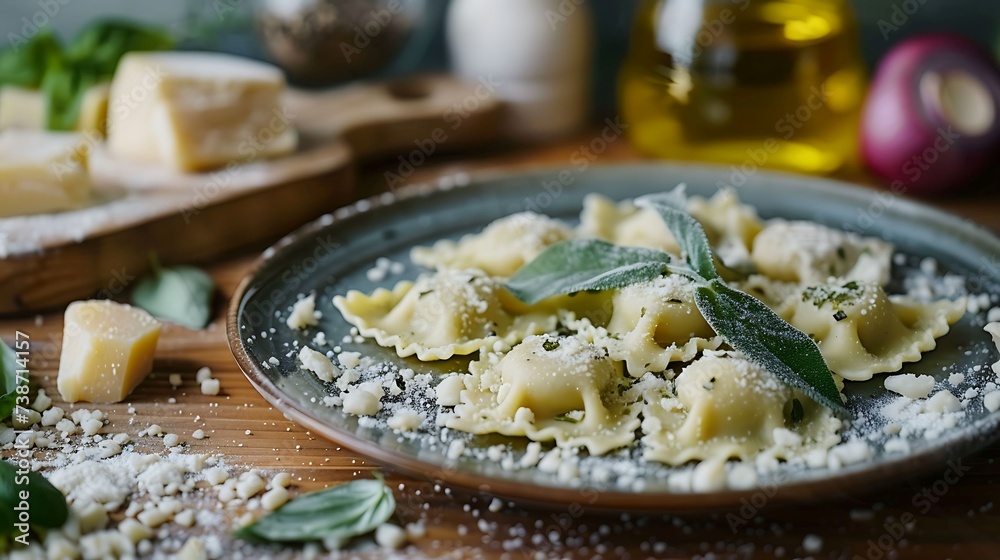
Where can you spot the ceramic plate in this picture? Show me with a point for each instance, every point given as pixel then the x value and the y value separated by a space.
pixel 333 255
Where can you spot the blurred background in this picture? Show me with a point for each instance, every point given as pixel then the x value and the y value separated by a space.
pixel 704 80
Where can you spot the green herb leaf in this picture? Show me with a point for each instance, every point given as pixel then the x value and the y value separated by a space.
pixel 181 294
pixel 688 232
pixel 24 65
pixel 102 44
pixel 763 337
pixel 47 505
pixel 585 264
pixel 8 370
pixel 341 512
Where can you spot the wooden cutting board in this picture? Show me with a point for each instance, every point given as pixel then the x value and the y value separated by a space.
pixel 47 261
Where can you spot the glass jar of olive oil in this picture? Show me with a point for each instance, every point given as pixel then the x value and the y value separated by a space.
pixel 755 83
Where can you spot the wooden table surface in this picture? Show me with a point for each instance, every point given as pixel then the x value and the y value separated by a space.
pixel 951 520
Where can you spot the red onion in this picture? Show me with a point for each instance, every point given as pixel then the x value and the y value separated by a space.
pixel 932 118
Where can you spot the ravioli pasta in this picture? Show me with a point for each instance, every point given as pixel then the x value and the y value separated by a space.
pixel 730 225
pixel 653 325
pixel 726 407
pixel 861 331
pixel 640 365
pixel 809 253
pixel 450 313
pixel 502 248
pixel 550 388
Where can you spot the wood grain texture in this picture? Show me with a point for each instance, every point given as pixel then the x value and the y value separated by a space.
pixel 957 520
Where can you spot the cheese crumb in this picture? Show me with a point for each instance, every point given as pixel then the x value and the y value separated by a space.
pixel 405 420
pixel 171 440
pixel 361 402
pixel 175 380
pixel 992 401
pixel 449 390
pixel 812 544
pixel 42 401
pixel 248 486
pixel 210 387
pixel 274 498
pixel 944 401
pixel 390 536
pixel 303 313
pixel 349 359
pixel 910 385
pixel 203 374
pixel 319 364
pixel 198 434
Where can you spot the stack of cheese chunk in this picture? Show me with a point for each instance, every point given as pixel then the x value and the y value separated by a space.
pixel 186 111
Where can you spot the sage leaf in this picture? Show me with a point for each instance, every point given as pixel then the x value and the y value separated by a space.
pixel 181 294
pixel 689 233
pixel 348 510
pixel 47 505
pixel 8 370
pixel 585 264
pixel 750 327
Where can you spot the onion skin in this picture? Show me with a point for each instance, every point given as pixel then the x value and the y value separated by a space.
pixel 906 137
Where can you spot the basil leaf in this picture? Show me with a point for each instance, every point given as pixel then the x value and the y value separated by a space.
pixel 585 264
pixel 102 44
pixel 181 294
pixel 64 91
pixel 25 65
pixel 46 504
pixel 8 370
pixel 690 234
pixel 763 337
pixel 348 510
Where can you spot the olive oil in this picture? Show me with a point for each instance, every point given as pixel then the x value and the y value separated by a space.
pixel 754 83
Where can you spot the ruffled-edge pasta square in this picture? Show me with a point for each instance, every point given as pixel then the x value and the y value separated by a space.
pixel 445 314
pixel 500 249
pixel 653 324
pixel 725 407
pixel 861 331
pixel 550 388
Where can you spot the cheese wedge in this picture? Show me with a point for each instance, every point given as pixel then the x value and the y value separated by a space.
pixel 107 351
pixel 194 111
pixel 42 172
pixel 25 109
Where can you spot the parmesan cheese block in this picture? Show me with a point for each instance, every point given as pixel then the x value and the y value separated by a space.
pixel 107 350
pixel 195 111
pixel 94 109
pixel 21 108
pixel 25 109
pixel 42 172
